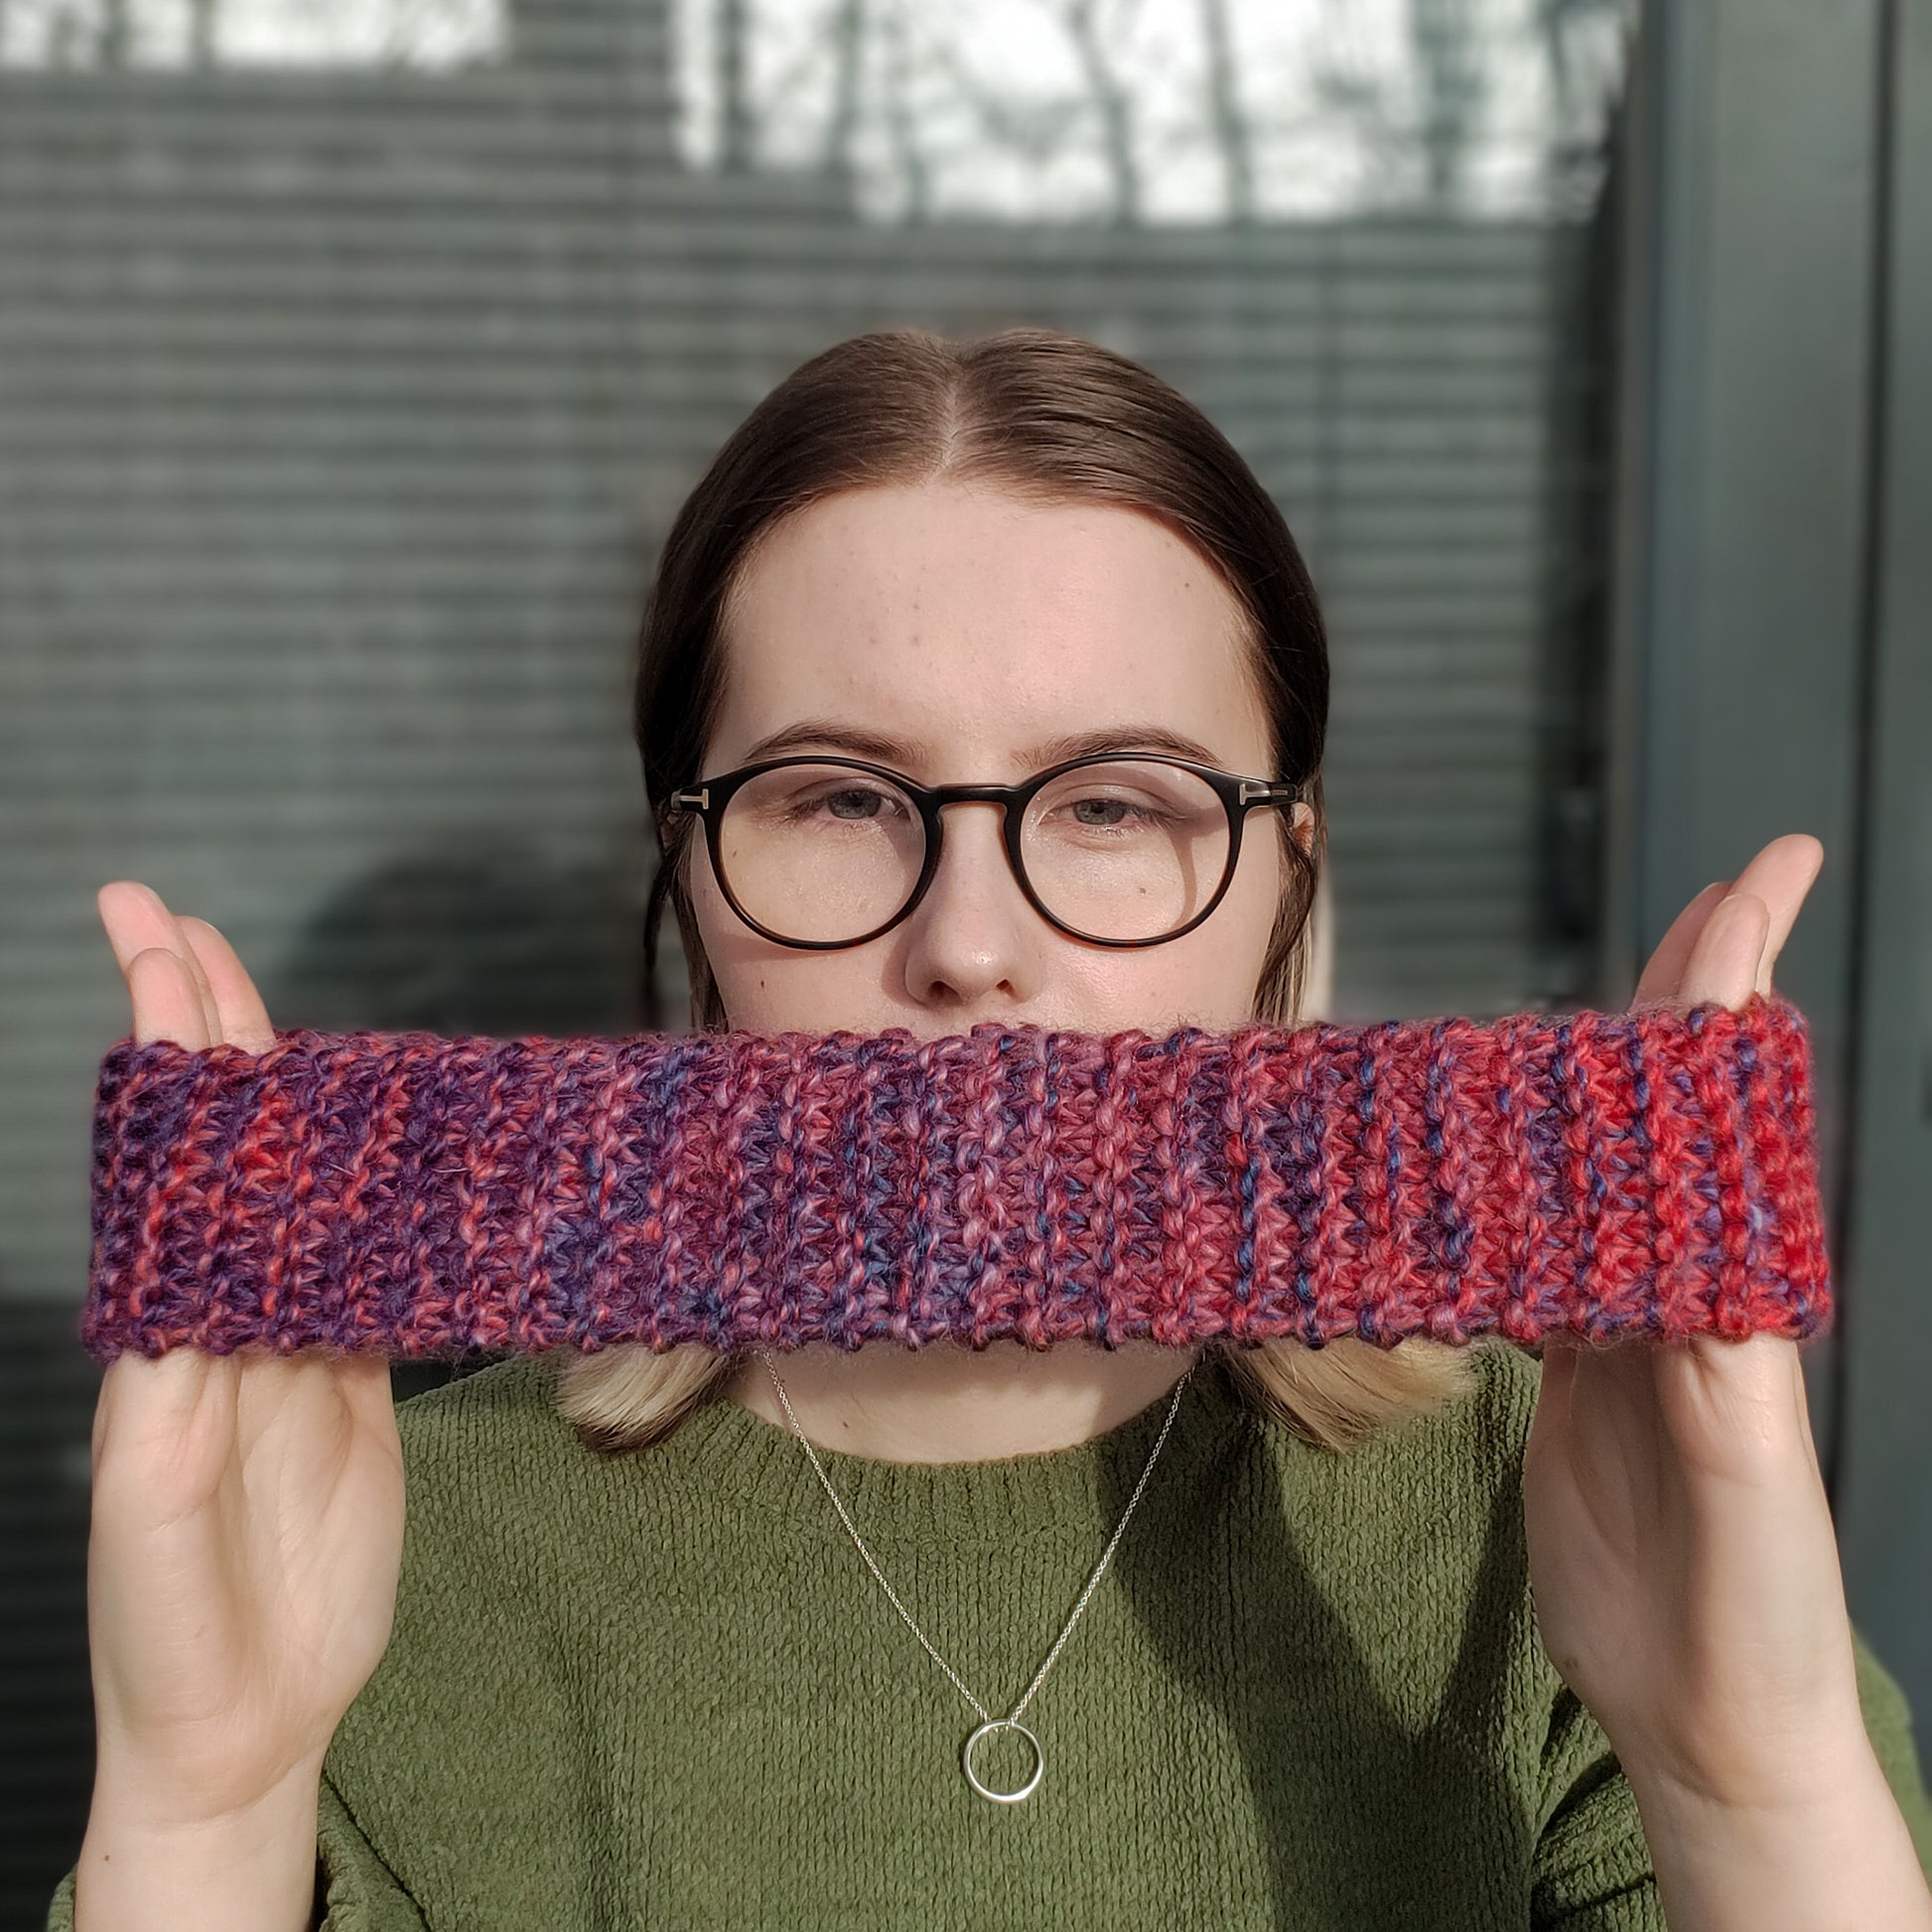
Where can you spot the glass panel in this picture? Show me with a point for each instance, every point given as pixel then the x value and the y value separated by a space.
pixel 355 358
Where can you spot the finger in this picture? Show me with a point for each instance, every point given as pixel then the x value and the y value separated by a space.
pixel 171 1409
pixel 166 1002
pixel 1553 1385
pixel 1781 874
pixel 243 1018
pixel 137 1386
pixel 191 960
pixel 136 917
pixel 133 918
pixel 1666 968
pixel 1772 1377
pixel 1724 962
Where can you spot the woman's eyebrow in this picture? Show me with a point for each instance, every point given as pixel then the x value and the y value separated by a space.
pixel 828 733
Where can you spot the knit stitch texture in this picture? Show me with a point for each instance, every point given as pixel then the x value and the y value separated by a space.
pixel 1647 1175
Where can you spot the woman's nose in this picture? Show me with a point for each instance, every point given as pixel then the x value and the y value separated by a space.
pixel 974 847
pixel 971 928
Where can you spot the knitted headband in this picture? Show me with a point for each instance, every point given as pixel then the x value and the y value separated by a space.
pixel 1649 1174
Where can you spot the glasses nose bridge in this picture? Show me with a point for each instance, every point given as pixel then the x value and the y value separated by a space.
pixel 942 795
pixel 974 795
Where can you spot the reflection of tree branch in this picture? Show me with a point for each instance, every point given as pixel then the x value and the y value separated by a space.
pixel 1551 17
pixel 734 102
pixel 1575 134
pixel 1113 102
pixel 69 40
pixel 1038 129
pixel 63 39
pixel 392 49
pixel 898 116
pixel 1346 87
pixel 1442 33
pixel 1224 115
pixel 116 34
pixel 775 93
pixel 848 51
pixel 202 33
pixel 1363 106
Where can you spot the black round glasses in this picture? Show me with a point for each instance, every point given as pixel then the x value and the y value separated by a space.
pixel 1117 848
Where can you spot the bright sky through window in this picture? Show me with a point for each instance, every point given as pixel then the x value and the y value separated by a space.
pixel 1162 111
pixel 250 33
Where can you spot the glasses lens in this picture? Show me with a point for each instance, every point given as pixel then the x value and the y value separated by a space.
pixel 821 852
pixel 1127 848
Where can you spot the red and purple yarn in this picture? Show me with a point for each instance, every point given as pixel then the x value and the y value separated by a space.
pixel 1645 1175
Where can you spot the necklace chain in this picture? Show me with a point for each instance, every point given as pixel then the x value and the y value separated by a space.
pixel 988 1720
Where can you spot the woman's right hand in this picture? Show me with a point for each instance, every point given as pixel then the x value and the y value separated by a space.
pixel 247 1517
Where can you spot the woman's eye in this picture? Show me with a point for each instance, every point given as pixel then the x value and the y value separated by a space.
pixel 1102 807
pixel 852 803
pixel 1095 814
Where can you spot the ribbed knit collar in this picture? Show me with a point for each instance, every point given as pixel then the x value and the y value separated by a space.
pixel 760 1467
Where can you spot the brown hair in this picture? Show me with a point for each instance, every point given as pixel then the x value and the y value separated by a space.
pixel 1054 418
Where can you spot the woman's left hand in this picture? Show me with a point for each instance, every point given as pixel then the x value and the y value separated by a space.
pixel 1683 1562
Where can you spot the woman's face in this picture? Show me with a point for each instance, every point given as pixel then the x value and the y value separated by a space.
pixel 969 626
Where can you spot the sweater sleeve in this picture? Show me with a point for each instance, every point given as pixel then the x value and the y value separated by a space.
pixel 1592 1871
pixel 1888 1723
pixel 363 1894
pixel 60 1912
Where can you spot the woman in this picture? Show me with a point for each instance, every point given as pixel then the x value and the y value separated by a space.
pixel 627 1667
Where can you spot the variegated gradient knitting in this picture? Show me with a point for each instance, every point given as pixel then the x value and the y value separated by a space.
pixel 1648 1174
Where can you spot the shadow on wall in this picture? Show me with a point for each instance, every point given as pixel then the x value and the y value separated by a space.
pixel 502 942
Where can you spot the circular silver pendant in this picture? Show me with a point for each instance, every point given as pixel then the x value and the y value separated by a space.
pixel 985 1790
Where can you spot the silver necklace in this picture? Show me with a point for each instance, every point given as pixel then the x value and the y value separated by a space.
pixel 988 1722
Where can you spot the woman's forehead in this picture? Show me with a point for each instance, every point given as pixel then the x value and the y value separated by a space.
pixel 940 607
pixel 951 554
